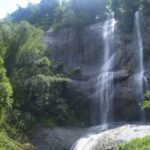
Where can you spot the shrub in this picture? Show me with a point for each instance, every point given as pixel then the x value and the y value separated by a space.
pixel 146 103
pixel 7 143
pixel 5 88
pixel 136 144
pixel 76 70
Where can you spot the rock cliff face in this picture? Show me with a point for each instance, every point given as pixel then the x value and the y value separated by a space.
pixel 98 138
pixel 79 53
pixel 57 138
pixel 95 138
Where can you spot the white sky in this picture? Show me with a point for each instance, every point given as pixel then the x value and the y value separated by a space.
pixel 8 6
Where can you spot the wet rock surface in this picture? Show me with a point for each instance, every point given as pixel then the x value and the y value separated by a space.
pixel 73 48
pixel 99 139
pixel 56 138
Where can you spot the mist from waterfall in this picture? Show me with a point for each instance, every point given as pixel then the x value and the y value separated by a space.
pixel 106 76
pixel 140 78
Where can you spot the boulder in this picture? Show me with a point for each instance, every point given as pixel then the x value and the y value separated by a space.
pixel 109 136
pixel 56 138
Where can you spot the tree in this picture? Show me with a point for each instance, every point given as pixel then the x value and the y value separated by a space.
pixel 86 9
pixel 41 15
pixel 146 6
pixel 5 89
pixel 25 47
pixel 124 11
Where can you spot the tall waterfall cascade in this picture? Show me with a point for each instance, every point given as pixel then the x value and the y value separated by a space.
pixel 104 87
pixel 105 82
pixel 106 76
pixel 140 78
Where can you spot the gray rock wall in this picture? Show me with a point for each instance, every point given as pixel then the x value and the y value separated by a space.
pixel 83 48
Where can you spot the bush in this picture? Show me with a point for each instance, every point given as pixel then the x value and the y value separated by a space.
pixel 146 6
pixel 124 11
pixel 5 88
pixel 7 143
pixel 76 70
pixel 136 144
pixel 146 103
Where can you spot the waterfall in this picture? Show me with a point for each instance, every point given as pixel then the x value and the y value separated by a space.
pixel 140 78
pixel 106 76
pixel 89 141
pixel 105 82
pixel 104 88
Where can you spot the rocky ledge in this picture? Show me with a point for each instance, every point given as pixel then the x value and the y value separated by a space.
pixel 57 138
pixel 104 137
pixel 98 138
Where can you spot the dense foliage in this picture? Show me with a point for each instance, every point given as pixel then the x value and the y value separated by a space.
pixel 8 139
pixel 67 13
pixel 146 103
pixel 41 15
pixel 136 144
pixel 37 89
pixel 34 92
pixel 124 11
pixel 78 13
pixel 5 89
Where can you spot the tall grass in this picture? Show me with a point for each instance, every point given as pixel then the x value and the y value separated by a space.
pixel 136 144
pixel 7 143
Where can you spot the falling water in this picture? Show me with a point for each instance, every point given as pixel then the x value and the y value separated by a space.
pixel 140 76
pixel 105 82
pixel 105 79
pixel 89 141
pixel 104 88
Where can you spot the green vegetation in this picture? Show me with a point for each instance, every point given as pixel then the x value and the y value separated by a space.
pixel 8 139
pixel 124 11
pixel 67 13
pixel 76 70
pixel 29 87
pixel 5 89
pixel 40 15
pixel 136 144
pixel 78 13
pixel 146 103
pixel 37 89
pixel 146 6
pixel 7 143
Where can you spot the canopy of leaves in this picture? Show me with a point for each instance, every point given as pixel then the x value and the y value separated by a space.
pixel 37 89
pixel 67 13
pixel 5 88
pixel 124 11
pixel 40 15
pixel 26 45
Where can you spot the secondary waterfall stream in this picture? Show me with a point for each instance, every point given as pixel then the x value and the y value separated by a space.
pixel 140 78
